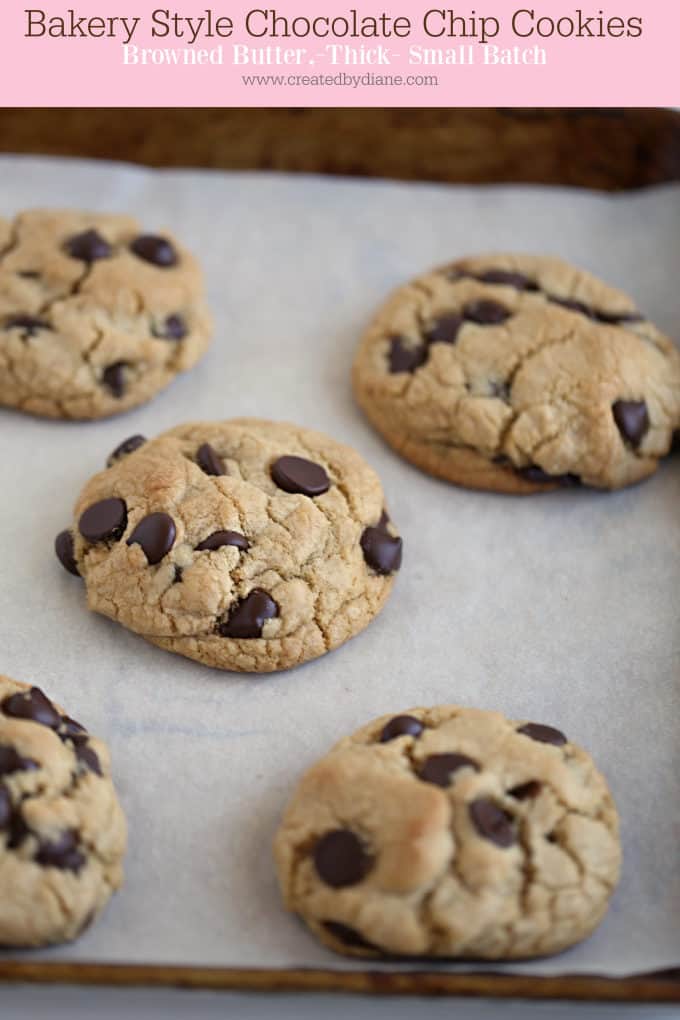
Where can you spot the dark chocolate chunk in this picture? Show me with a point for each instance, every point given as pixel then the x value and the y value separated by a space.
pixel 32 705
pixel 11 761
pixel 89 758
pixel 401 726
pixel 632 420
pixel 113 377
pixel 29 324
pixel 221 538
pixel 544 734
pixel 209 460
pixel 381 550
pixel 72 730
pixel 525 791
pixel 403 358
pixel 248 616
pixel 5 808
pixel 439 768
pixel 123 449
pixel 618 318
pixel 88 246
pixel 173 328
pixel 105 520
pixel 156 250
pixel 63 547
pixel 297 474
pixel 156 533
pixel 348 936
pixel 444 330
pixel 340 858
pixel 534 473
pixel 492 822
pixel 486 313
pixel 508 278
pixel 17 830
pixel 62 853
pixel 573 306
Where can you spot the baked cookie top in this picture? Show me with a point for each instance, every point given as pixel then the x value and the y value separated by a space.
pixel 451 832
pixel 96 316
pixel 247 545
pixel 62 830
pixel 518 373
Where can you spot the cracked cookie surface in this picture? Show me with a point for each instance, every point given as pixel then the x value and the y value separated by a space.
pixel 96 316
pixel 450 832
pixel 519 373
pixel 62 830
pixel 247 545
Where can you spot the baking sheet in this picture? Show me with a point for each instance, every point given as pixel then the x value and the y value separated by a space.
pixel 561 608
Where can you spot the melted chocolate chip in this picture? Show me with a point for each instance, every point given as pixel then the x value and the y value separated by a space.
pixel 173 328
pixel 632 420
pixel 492 822
pixel 486 313
pixel 89 758
pixel 28 323
pixel 401 726
pixel 72 730
pixel 103 521
pixel 348 936
pixel 88 246
pixel 221 538
pixel 156 250
pixel 297 474
pixel 381 550
pixel 63 547
pixel 123 449
pixel 340 859
pixel 62 853
pixel 248 617
pixel 618 318
pixel 533 473
pixel 444 330
pixel 113 377
pixel 507 278
pixel 543 734
pixel 573 306
pixel 525 791
pixel 11 761
pixel 17 830
pixel 439 768
pixel 156 533
pixel 32 705
pixel 5 808
pixel 209 460
pixel 403 358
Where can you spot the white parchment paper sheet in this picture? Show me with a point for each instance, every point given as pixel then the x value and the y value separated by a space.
pixel 561 608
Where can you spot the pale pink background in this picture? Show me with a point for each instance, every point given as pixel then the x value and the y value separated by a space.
pixel 580 72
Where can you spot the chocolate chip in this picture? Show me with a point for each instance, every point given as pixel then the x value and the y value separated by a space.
pixel 348 936
pixel 221 538
pixel 89 758
pixel 533 473
pixel 209 460
pixel 5 808
pixel 88 246
pixel 156 533
pixel 157 250
pixel 11 761
pixel 439 768
pixel 297 474
pixel 444 330
pixel 525 791
pixel 509 279
pixel 381 550
pixel 173 328
pixel 248 616
pixel 105 520
pixel 28 323
pixel 632 419
pixel 486 313
pixel 72 730
pixel 32 705
pixel 62 853
pixel 17 830
pixel 123 449
pixel 63 547
pixel 340 859
pixel 618 318
pixel 544 734
pixel 492 822
pixel 403 358
pixel 573 306
pixel 113 377
pixel 401 726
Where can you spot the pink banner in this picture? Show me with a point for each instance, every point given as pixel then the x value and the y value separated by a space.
pixel 548 53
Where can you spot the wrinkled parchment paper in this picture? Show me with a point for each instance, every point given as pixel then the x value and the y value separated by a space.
pixel 561 608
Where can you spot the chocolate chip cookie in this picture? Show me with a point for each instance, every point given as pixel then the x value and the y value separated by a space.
pixel 450 832
pixel 62 830
pixel 519 374
pixel 248 545
pixel 96 316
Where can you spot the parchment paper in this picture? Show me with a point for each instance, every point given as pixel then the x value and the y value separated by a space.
pixel 560 608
